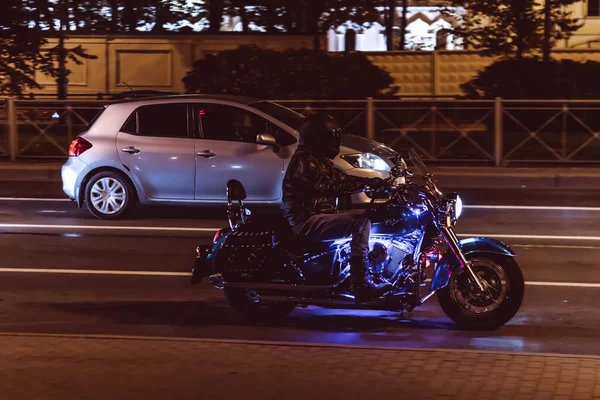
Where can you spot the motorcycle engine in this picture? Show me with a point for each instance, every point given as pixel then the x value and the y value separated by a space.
pixel 387 257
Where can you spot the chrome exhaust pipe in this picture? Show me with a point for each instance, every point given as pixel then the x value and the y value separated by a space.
pixel 302 290
pixel 288 287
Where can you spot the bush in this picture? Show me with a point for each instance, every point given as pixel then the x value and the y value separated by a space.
pixel 532 79
pixel 291 74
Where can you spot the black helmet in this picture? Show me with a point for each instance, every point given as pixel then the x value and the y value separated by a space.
pixel 320 133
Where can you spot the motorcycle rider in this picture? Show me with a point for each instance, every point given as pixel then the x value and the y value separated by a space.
pixel 310 188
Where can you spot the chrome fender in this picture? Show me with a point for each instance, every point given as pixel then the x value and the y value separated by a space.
pixel 446 265
pixel 205 256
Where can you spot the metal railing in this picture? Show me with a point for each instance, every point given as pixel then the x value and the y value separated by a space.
pixel 494 132
pixel 489 132
pixel 45 128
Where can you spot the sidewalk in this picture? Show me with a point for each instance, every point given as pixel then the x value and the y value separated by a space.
pixel 31 172
pixel 452 177
pixel 76 367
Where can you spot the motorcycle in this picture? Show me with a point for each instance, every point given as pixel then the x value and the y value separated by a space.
pixel 265 271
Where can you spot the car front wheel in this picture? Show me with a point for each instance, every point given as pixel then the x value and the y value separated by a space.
pixel 108 195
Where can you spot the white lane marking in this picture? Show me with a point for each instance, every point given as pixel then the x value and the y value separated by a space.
pixel 540 208
pixel 532 237
pixel 188 274
pixel 32 199
pixel 550 246
pixel 93 272
pixel 472 206
pixel 212 229
pixel 109 228
pixel 564 284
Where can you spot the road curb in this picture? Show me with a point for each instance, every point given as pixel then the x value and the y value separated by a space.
pixel 40 174
pixel 462 179
pixel 562 182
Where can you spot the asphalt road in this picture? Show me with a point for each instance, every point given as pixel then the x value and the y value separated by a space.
pixel 557 248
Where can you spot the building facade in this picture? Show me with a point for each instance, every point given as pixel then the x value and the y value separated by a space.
pixel 435 65
pixel 427 27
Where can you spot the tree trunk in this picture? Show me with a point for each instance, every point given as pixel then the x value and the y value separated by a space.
pixel 61 52
pixel 61 79
pixel 244 17
pixel 271 16
pixel 519 53
pixel 43 12
pixel 547 45
pixel 404 23
pixel 38 14
pixel 215 11
pixel 518 15
pixel 161 15
pixel 389 29
pixel 314 17
pixel 114 16
pixel 130 16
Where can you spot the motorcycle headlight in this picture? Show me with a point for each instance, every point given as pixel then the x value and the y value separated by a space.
pixel 367 161
pixel 454 207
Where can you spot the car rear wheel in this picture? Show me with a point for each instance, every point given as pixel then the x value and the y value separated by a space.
pixel 109 195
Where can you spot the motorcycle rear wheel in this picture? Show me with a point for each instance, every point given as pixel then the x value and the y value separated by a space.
pixel 472 309
pixel 239 300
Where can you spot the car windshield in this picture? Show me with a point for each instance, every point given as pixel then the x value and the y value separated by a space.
pixel 285 115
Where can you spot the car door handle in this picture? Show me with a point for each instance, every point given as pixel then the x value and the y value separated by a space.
pixel 206 154
pixel 131 150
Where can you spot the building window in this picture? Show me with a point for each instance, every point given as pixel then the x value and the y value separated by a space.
pixel 593 8
pixel 441 39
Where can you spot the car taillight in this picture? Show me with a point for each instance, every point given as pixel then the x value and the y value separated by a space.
pixel 78 147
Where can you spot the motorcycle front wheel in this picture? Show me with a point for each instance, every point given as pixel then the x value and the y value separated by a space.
pixel 473 309
pixel 243 303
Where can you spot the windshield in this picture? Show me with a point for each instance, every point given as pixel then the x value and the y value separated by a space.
pixel 285 115
pixel 418 162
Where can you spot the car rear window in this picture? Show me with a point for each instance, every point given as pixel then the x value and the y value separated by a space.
pixel 159 120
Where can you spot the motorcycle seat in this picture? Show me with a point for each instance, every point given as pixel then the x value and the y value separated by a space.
pixel 296 244
pixel 300 244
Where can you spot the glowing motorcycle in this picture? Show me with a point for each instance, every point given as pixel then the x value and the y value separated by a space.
pixel 266 271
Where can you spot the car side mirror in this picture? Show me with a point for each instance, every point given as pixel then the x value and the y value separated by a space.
pixel 267 139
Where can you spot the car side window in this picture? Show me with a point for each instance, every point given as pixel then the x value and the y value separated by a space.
pixel 224 122
pixel 159 120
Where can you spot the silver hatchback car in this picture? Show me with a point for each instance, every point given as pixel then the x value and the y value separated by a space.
pixel 182 150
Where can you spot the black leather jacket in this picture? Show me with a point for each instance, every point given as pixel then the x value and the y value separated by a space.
pixel 312 184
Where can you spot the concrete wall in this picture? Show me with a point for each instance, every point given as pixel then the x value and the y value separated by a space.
pixel 160 63
pixel 152 62
pixel 441 73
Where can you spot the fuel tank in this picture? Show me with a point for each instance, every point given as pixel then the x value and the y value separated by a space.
pixel 397 220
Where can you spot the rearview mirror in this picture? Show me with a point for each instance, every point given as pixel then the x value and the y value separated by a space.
pixel 267 139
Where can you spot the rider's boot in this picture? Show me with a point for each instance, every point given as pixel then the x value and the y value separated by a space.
pixel 362 284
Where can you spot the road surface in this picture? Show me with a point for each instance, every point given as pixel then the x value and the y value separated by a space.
pixel 64 272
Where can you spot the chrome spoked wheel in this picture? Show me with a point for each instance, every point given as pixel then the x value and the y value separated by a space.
pixel 502 295
pixel 467 295
pixel 108 196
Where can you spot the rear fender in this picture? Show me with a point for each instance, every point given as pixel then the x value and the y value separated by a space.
pixel 449 262
pixel 203 265
pixel 205 255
